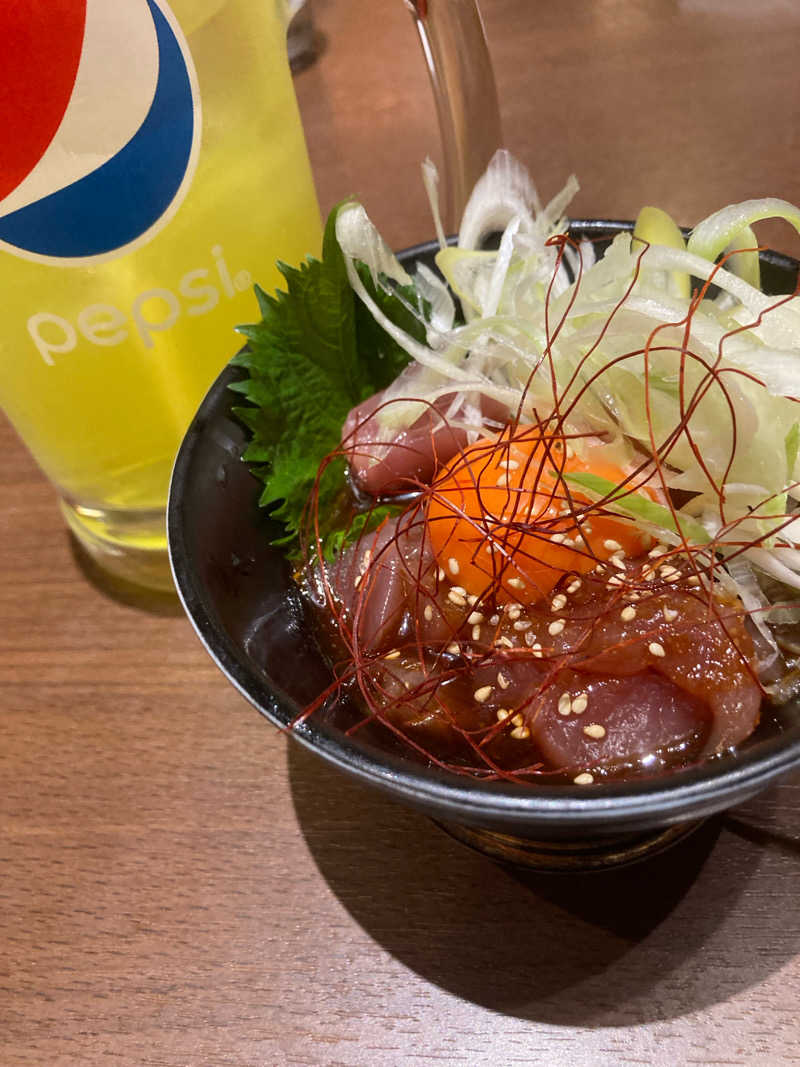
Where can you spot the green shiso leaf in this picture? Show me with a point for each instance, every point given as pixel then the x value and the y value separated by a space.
pixel 315 354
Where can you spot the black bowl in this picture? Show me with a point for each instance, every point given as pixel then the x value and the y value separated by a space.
pixel 239 594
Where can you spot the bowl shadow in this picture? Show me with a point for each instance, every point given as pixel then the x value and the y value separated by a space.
pixel 655 940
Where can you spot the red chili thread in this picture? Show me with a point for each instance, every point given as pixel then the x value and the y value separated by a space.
pixel 369 673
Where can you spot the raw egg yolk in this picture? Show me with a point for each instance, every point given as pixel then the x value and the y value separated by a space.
pixel 501 517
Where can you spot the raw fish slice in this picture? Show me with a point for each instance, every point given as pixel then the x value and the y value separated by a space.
pixel 624 721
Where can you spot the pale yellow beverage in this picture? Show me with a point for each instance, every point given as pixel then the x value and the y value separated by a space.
pixel 106 353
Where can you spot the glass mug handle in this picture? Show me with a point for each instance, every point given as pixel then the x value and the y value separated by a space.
pixel 460 69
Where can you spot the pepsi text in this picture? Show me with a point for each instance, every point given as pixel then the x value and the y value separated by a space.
pixel 153 311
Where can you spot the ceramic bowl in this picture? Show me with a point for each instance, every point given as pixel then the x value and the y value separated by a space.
pixel 239 594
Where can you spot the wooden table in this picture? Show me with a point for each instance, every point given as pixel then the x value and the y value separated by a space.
pixel 182 886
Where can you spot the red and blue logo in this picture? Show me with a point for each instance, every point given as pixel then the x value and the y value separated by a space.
pixel 99 126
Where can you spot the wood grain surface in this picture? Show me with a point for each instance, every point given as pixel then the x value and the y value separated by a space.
pixel 181 885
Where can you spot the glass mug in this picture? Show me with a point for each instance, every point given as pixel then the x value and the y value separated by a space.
pixel 152 167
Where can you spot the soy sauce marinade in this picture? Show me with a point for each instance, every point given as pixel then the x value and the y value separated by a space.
pixel 487 656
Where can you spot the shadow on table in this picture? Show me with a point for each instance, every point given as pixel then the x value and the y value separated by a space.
pixel 150 601
pixel 656 940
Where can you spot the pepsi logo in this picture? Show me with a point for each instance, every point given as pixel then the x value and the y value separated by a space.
pixel 99 126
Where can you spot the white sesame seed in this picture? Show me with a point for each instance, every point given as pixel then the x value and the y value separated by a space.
pixel 514 611
pixel 615 579
pixel 474 618
pixel 564 704
pixel 502 681
pixel 452 565
pixel 519 733
pixel 628 613
pixel 504 642
pixel 516 583
pixel 502 714
pixel 454 648
pixel 510 464
pixel 428 612
pixel 472 599
pixel 656 649
pixel 555 627
pixel 517 720
pixel 394 654
pixel 456 598
pixel 615 561
pixel 558 602
pixel 580 702
pixel 357 581
pixel 522 624
pixel 667 570
pixel 594 730
pixel 657 551
pixel 536 648
pixel 584 778
pixel 476 633
pixel 573 587
pixel 670 614
pixel 612 546
pixel 482 695
pixel 441 575
pixel 460 590
pixel 558 538
pixel 647 572
pixel 494 620
pixel 366 560
pixel 694 580
pixel 568 542
pixel 587 527
pixel 676 577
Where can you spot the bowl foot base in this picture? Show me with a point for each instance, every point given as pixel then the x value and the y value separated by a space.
pixel 597 854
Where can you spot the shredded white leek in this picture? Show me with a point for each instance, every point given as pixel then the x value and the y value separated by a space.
pixel 622 351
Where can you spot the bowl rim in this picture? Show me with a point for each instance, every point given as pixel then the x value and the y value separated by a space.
pixel 692 792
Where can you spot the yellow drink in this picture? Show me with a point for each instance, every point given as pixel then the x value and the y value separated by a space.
pixel 105 357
